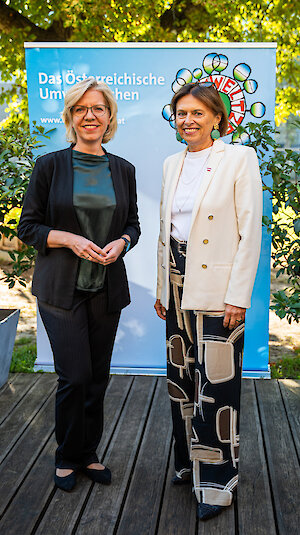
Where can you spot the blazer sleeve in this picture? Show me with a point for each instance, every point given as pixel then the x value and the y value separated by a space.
pixel 248 204
pixel 132 226
pixel 32 228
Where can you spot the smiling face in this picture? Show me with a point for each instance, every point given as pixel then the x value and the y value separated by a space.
pixel 89 128
pixel 195 122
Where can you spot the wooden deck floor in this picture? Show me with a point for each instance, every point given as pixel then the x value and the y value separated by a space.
pixel 137 448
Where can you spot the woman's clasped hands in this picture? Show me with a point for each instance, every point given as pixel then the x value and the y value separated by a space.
pixel 88 250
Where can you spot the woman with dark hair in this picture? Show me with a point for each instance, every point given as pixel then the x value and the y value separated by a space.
pixel 208 252
pixel 80 213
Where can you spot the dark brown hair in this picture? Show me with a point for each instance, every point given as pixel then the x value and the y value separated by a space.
pixel 209 96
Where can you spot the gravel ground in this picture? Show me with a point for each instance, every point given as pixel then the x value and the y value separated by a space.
pixel 283 337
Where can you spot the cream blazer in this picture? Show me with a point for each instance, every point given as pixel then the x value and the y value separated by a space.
pixel 225 235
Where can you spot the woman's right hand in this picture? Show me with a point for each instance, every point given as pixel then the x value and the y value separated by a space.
pixel 160 309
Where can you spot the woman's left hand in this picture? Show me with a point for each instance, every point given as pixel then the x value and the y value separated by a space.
pixel 113 251
pixel 233 316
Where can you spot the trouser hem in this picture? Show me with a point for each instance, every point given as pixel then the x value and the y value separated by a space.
pixel 213 496
pixel 67 465
pixel 93 458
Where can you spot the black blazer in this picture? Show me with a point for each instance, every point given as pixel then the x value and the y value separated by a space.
pixel 48 205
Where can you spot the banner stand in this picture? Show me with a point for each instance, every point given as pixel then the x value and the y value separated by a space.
pixel 143 77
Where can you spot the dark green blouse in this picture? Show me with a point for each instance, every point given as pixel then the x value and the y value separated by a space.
pixel 94 202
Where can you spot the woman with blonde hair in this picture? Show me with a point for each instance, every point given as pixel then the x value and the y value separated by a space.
pixel 80 213
pixel 208 253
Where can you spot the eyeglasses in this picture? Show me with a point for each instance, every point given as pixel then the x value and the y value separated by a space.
pixel 81 111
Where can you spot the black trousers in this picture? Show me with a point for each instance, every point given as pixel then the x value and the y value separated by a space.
pixel 204 365
pixel 82 341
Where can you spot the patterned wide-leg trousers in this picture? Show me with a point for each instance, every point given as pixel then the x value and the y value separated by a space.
pixel 204 365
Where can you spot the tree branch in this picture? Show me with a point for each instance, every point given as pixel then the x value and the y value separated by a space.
pixel 12 19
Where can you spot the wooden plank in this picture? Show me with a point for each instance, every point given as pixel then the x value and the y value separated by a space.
pixel 31 498
pixel 17 464
pixel 3 387
pixel 178 514
pixel 15 391
pixel 10 380
pixel 64 508
pixel 255 511
pixel 290 390
pixel 139 512
pixel 141 509
pixel 282 458
pixel 105 503
pixel 15 424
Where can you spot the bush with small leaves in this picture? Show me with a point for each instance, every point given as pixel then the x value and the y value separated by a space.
pixel 17 157
pixel 283 165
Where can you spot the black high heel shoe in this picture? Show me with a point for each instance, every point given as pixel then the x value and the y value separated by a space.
pixel 66 483
pixel 206 511
pixel 98 476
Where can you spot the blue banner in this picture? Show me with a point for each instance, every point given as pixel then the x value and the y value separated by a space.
pixel 143 78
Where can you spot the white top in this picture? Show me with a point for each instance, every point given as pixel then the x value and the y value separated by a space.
pixel 192 173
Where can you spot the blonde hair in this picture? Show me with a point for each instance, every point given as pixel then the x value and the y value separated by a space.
pixel 75 93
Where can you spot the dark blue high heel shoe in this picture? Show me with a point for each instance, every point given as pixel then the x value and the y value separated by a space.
pixel 206 511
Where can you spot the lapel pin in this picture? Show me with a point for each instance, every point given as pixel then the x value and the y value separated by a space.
pixel 208 169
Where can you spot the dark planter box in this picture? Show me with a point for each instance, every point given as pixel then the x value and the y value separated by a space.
pixel 8 327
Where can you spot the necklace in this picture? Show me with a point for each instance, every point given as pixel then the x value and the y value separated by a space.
pixel 197 173
pixel 191 191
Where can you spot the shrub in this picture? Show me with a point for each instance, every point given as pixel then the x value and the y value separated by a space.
pixel 284 167
pixel 17 158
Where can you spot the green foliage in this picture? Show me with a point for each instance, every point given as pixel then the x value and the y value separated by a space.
pixel 145 20
pixel 133 20
pixel 284 167
pixel 286 368
pixel 17 159
pixel 24 355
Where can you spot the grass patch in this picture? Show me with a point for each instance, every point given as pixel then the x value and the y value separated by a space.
pixel 286 368
pixel 24 355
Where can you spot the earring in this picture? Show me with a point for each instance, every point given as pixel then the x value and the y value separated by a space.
pixel 215 133
pixel 180 139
